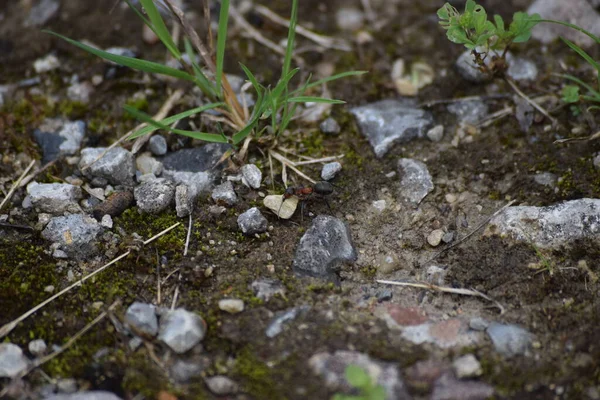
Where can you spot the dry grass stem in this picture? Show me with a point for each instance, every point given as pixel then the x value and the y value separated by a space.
pixel 16 184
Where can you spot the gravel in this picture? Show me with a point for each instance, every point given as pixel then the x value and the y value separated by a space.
pixel 330 170
pixel 154 196
pixel 181 329
pixel 55 198
pixel 415 181
pixel 251 176
pixel 224 194
pixel 141 317
pixel 252 222
pixel 117 166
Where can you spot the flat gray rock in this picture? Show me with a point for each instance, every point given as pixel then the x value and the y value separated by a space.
pixel 330 170
pixel 331 368
pixel 251 176
pixel 469 111
pixel 58 137
pixel 387 122
pixel 181 329
pixel 509 340
pixel 74 234
pixel 141 317
pixel 42 12
pixel 55 198
pixel 147 164
pixel 117 165
pixel 12 360
pixel 252 222
pixel 415 180
pixel 549 227
pixel 224 194
pixel 324 246
pixel 91 395
pixel 154 196
pixel 197 182
pixel 197 159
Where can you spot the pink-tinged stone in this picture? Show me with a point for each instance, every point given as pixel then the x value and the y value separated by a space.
pixel 423 374
pixel 446 332
pixel 406 316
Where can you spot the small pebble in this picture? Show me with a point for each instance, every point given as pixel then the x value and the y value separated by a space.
pixel 379 205
pixel 37 347
pixel 330 170
pixel 107 221
pixel 232 306
pixel 330 127
pixel 435 237
pixel 158 145
pixel 436 133
pixel 467 366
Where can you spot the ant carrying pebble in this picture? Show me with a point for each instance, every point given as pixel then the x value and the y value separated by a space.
pixel 303 193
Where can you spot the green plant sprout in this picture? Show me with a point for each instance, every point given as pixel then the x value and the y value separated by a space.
pixel 359 379
pixel 274 106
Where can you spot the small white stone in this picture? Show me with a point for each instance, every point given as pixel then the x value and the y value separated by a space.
pixel 284 209
pixel 107 221
pixel 379 205
pixel 467 366
pixel 436 133
pixel 232 306
pixel 435 237
pixel 37 347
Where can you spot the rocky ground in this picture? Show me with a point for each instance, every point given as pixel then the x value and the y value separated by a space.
pixel 456 257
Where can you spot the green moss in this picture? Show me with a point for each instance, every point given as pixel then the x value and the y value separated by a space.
pixel 369 271
pixel 72 109
pixel 256 376
pixel 148 225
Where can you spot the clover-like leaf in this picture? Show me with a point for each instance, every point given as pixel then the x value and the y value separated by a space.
pixel 357 376
pixel 570 94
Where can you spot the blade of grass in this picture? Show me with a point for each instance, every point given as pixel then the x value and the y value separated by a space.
pixel 208 137
pixel 135 63
pixel 160 29
pixel 202 81
pixel 174 118
pixel 580 82
pixel 582 53
pixel 332 78
pixel 257 86
pixel 577 28
pixel 141 16
pixel 221 41
pixel 289 48
pixel 241 135
pixel 313 99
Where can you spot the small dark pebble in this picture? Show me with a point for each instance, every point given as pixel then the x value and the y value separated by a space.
pixel 384 295
pixel 114 205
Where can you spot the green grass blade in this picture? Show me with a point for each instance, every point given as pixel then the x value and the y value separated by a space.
pixel 241 135
pixel 257 86
pixel 202 81
pixel 581 83
pixel 283 84
pixel 289 48
pixel 577 28
pixel 160 28
pixel 592 98
pixel 140 15
pixel 221 40
pixel 208 137
pixel 174 118
pixel 135 63
pixel 333 78
pixel 582 53
pixel 313 99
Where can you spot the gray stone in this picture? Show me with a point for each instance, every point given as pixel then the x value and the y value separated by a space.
pixel 252 222
pixel 117 165
pixel 224 194
pixel 331 368
pixel 55 198
pixel 66 385
pixel 184 204
pixel 251 176
pixel 154 196
pixel 435 237
pixel 221 385
pixel 158 145
pixel 42 12
pixel 470 112
pixel 147 164
pixel 74 234
pixel 181 330
pixel 415 180
pixel 197 182
pixel 106 221
pixel 387 122
pixel 545 179
pixel 330 170
pixel 265 288
pixel 349 18
pixel 449 388
pixel 59 137
pixel 45 64
pixel 524 112
pixel 324 246
pixel 521 69
pixel 444 334
pixel 330 127
pixel 141 317
pixel 577 12
pixel 232 306
pixel 436 134
pixel 518 68
pixel 276 325
pixel 596 160
pixel 80 92
pixel 509 340
pixel 12 360
pixel 197 159
pixel 185 371
pixel 478 324
pixel 88 395
pixel 37 347
pixel 467 366
pixel 549 227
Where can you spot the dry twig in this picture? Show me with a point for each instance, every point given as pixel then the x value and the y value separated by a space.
pixel 16 184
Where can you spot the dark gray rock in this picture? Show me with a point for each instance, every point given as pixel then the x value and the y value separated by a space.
pixel 91 395
pixel 331 368
pixel 154 196
pixel 141 317
pixel 415 180
pixel 470 112
pixel 224 194
pixel 330 127
pixel 222 385
pixel 158 145
pixel 578 12
pixel 509 340
pixel 387 122
pixel 549 227
pixel 330 170
pixel 198 159
pixel 324 246
pixel 181 329
pixel 42 12
pixel 58 137
pixel 265 288
pixel 276 325
pixel 117 165
pixel 55 198
pixel 252 222
pixel 251 176
pixel 74 234
pixel 12 360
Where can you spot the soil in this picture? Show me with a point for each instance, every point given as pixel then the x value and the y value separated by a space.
pixel 557 302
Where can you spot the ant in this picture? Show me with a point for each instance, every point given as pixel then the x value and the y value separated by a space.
pixel 321 189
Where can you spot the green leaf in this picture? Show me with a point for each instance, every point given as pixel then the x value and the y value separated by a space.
pixel 221 41
pixel 159 27
pixel 313 99
pixel 499 24
pixel 202 81
pixel 570 94
pixel 479 19
pixel 289 48
pixel 135 63
pixel 377 393
pixel 357 377
pixel 521 26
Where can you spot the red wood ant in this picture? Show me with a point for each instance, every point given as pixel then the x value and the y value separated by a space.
pixel 303 193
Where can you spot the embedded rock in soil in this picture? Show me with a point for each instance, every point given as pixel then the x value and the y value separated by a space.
pixel 282 208
pixel 387 122
pixel 80 92
pixel 141 318
pixel 275 327
pixel 54 198
pixel 74 234
pixel 37 347
pixel 251 176
pixel 509 340
pixel 252 222
pixel 577 12
pixel 147 164
pixel 197 159
pixel 415 180
pixel 42 12
pixel 181 330
pixel 467 366
pixel 330 170
pixel 197 182
pixel 330 127
pixel 117 165
pixel 12 360
pixel 549 227
pixel 470 112
pixel 266 288
pixel 324 246
pixel 158 145
pixel 232 306
pixel 184 204
pixel 154 196
pixel 57 137
pixel 444 334
pixel 332 367
pixel 114 205
pixel 88 395
pixel 224 194
pixel 447 387
pixel 221 385
pixel 349 18
pixel 518 68
pixel 45 64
